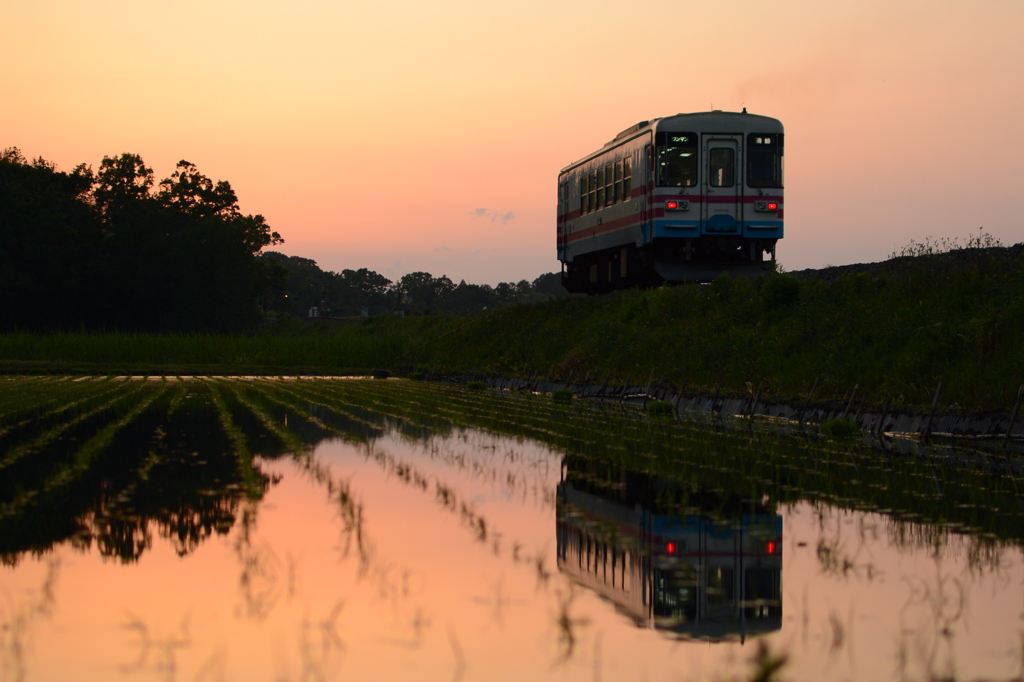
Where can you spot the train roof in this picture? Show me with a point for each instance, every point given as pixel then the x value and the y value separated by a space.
pixel 702 121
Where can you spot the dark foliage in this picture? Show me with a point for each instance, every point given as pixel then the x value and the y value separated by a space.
pixel 311 291
pixel 107 251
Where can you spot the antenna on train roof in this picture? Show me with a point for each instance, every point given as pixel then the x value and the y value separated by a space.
pixel 744 110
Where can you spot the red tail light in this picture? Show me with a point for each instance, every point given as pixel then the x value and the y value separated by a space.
pixel 770 547
pixel 671 548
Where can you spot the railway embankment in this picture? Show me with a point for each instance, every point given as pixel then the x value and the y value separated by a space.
pixel 888 332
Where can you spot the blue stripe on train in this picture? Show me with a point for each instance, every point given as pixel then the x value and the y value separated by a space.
pixel 683 229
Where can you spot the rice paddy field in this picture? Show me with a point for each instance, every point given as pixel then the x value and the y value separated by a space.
pixel 201 528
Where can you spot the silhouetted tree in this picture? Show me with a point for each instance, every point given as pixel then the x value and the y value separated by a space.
pixel 423 292
pixel 105 251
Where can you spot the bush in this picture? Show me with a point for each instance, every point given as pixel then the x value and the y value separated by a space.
pixel 477 385
pixel 660 408
pixel 839 428
pixel 780 290
pixel 418 376
pixel 562 395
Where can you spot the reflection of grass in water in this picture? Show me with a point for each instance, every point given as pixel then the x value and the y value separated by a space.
pixel 767 666
pixel 17 618
pixel 944 600
pixel 567 625
pixel 165 649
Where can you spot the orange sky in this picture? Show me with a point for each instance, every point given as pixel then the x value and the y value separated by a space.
pixel 369 134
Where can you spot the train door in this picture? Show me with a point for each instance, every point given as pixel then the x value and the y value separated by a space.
pixel 646 228
pixel 723 198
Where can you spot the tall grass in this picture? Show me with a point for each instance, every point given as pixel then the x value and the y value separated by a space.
pixel 356 348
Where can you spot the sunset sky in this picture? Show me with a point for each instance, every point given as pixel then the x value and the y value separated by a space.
pixel 402 136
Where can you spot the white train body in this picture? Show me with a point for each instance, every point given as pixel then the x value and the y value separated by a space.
pixel 681 198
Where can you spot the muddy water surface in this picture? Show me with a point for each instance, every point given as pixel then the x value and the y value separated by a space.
pixel 289 534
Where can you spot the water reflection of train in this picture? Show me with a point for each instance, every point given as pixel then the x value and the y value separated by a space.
pixel 693 564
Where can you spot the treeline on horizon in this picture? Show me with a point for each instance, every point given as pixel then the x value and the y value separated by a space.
pixel 308 289
pixel 115 250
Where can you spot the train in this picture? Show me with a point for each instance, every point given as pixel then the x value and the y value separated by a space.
pixel 712 573
pixel 676 199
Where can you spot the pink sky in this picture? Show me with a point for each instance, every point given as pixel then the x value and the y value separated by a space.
pixel 369 134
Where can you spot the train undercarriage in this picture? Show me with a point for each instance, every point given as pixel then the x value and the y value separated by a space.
pixel 671 261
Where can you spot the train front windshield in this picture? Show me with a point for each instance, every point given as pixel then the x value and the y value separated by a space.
pixel 677 159
pixel 764 160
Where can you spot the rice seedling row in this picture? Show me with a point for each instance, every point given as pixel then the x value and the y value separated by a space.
pixel 83 418
pixel 947 489
pixel 68 472
pixel 26 407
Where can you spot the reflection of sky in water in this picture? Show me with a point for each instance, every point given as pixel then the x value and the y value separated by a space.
pixel 445 567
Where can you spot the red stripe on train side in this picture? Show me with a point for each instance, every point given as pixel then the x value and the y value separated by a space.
pixel 692 198
pixel 610 226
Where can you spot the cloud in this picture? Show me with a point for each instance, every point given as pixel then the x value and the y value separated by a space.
pixel 500 216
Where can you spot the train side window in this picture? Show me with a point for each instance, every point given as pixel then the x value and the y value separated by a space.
pixel 627 179
pixel 618 181
pixel 607 185
pixel 764 160
pixel 677 159
pixel 721 167
pixel 584 197
pixel 593 192
pixel 600 187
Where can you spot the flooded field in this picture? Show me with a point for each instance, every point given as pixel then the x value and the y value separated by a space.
pixel 275 529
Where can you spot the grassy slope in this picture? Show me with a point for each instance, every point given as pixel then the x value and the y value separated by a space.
pixel 899 330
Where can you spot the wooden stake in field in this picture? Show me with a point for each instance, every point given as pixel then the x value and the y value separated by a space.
pixel 931 415
pixel 850 401
pixel 808 403
pixel 753 408
pixel 1013 416
pixel 885 413
pixel 622 396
